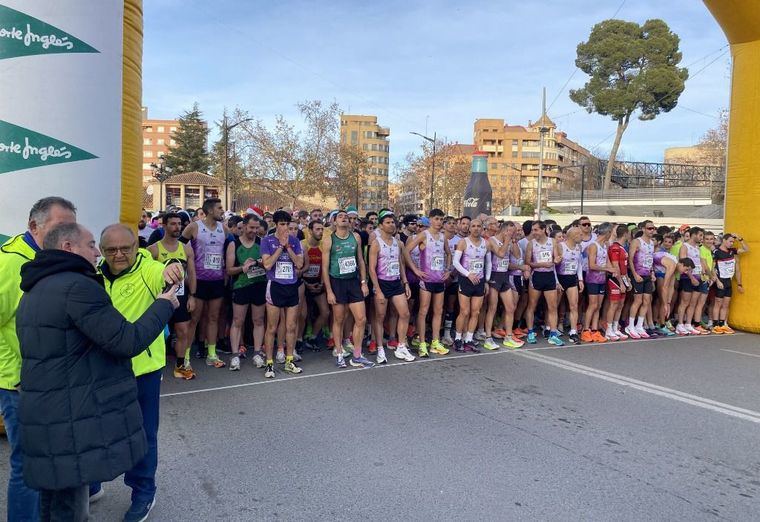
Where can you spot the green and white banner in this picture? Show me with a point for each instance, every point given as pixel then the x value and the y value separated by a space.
pixel 60 108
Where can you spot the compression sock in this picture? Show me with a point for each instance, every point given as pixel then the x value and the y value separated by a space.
pixel 212 351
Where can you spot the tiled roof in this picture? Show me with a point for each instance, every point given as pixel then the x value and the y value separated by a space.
pixel 195 178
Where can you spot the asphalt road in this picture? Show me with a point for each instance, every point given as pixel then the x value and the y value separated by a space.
pixel 643 430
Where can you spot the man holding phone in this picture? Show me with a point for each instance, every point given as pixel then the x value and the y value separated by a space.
pixel 133 280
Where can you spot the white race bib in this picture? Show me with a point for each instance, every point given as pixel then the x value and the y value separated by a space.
pixel 212 261
pixel 283 270
pixel 437 264
pixel 571 267
pixel 544 256
pixel 648 261
pixel 181 289
pixel 312 272
pixel 477 266
pixel 255 271
pixel 394 269
pixel 503 264
pixel 697 269
pixel 727 268
pixel 347 265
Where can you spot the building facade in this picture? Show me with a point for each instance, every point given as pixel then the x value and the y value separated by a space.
pixel 188 190
pixel 364 132
pixel 157 138
pixel 514 156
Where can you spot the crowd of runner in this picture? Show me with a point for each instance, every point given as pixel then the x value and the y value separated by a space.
pixel 267 286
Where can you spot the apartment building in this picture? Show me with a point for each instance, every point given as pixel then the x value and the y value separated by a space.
pixel 363 131
pixel 157 139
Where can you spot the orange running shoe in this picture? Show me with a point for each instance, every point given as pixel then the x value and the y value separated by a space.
pixel 500 333
pixel 586 336
pixel 728 330
pixel 598 338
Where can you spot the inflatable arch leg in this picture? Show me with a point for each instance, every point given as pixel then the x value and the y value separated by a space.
pixel 740 21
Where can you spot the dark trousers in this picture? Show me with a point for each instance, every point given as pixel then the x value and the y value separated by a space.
pixel 142 478
pixel 65 505
pixel 23 502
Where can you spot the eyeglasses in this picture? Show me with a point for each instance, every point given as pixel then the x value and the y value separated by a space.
pixel 112 251
pixel 650 228
pixel 585 224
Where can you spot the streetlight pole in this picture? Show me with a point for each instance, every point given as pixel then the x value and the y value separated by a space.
pixel 542 131
pixel 432 170
pixel 161 173
pixel 226 128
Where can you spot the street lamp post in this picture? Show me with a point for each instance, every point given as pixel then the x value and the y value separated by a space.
pixel 226 128
pixel 542 131
pixel 161 173
pixel 432 170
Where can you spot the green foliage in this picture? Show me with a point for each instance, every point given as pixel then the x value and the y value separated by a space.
pixel 527 208
pixel 631 67
pixel 190 154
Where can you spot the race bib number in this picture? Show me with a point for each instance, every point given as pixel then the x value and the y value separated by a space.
pixel 181 289
pixel 727 268
pixel 503 265
pixel 476 266
pixel 212 261
pixel 312 272
pixel 347 265
pixel 697 269
pixel 437 264
pixel 571 267
pixel 648 261
pixel 255 271
pixel 394 269
pixel 544 256
pixel 283 270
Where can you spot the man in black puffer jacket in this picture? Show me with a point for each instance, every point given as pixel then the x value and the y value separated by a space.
pixel 79 415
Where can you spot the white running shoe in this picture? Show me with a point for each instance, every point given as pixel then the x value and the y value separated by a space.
pixel 692 331
pixel 480 335
pixel 381 358
pixel 642 333
pixel 681 330
pixel 235 364
pixel 280 357
pixel 296 356
pixel 611 335
pixel 447 340
pixel 402 352
pixel 258 360
pixel 632 332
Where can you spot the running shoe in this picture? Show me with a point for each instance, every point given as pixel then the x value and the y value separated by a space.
pixel 438 348
pixel 381 358
pixel 471 347
pixel 489 344
pixel 531 337
pixel 611 336
pixel 702 331
pixel 642 333
pixel 632 332
pixel 511 342
pixel 480 335
pixel 372 347
pixel 216 362
pixel 500 333
pixel 340 362
pixel 280 357
pixel 652 333
pixel 728 330
pixel 689 328
pixel 663 330
pixel 681 330
pixel 269 372
pixel 402 352
pixel 184 372
pixel 598 337
pixel 330 342
pixel 291 367
pixel 545 332
pixel 415 341
pixel 555 340
pixel 258 360
pixel 574 338
pixel 520 332
pixel 392 344
pixel 296 356
pixel 361 362
pixel 447 340
pixel 235 364
pixel 586 336
pixel 620 335
pixel 458 345
pixel 669 326
pixel 422 349
pixel 242 350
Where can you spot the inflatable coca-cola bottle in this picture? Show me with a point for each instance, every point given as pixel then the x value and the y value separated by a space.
pixel 478 194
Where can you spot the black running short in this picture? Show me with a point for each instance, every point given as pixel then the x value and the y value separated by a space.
pixel 467 289
pixel 181 314
pixel 726 291
pixel 254 294
pixel 347 291
pixel 391 288
pixel 568 281
pixel 209 290
pixel 499 281
pixel 282 296
pixel 517 284
pixel 433 288
pixel 543 281
pixel 645 287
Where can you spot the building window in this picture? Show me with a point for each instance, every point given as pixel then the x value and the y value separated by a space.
pixel 173 195
pixel 147 154
pixel 192 197
pixel 354 137
pixel 160 141
pixel 160 129
pixel 172 143
pixel 172 129
pixel 147 141
pixel 148 129
pixel 146 166
pixel 210 192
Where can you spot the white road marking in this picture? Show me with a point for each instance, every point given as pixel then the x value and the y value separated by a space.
pixel 622 380
pixel 743 353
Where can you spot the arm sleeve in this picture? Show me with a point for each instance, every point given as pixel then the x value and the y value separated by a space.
pixel 458 265
pixel 488 267
pixel 580 271
pixel 91 311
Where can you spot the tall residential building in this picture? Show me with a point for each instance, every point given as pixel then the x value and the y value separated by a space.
pixel 157 139
pixel 513 158
pixel 364 132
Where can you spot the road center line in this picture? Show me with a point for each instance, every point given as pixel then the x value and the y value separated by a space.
pixel 694 400
pixel 743 353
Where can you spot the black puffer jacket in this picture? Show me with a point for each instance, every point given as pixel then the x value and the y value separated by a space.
pixel 79 415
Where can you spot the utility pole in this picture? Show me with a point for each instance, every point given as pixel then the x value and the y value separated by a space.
pixel 432 173
pixel 542 130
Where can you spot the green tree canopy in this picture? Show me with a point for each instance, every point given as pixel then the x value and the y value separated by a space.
pixel 190 154
pixel 632 68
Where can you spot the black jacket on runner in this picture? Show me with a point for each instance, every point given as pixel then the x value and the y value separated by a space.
pixel 79 416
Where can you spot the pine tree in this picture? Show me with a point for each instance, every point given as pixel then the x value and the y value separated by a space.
pixel 190 154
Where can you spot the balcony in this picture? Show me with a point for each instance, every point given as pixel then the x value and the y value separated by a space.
pixel 383 132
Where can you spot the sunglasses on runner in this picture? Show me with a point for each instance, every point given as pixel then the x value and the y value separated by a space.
pixel 585 224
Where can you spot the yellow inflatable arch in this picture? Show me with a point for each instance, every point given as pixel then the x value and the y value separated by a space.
pixel 740 20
